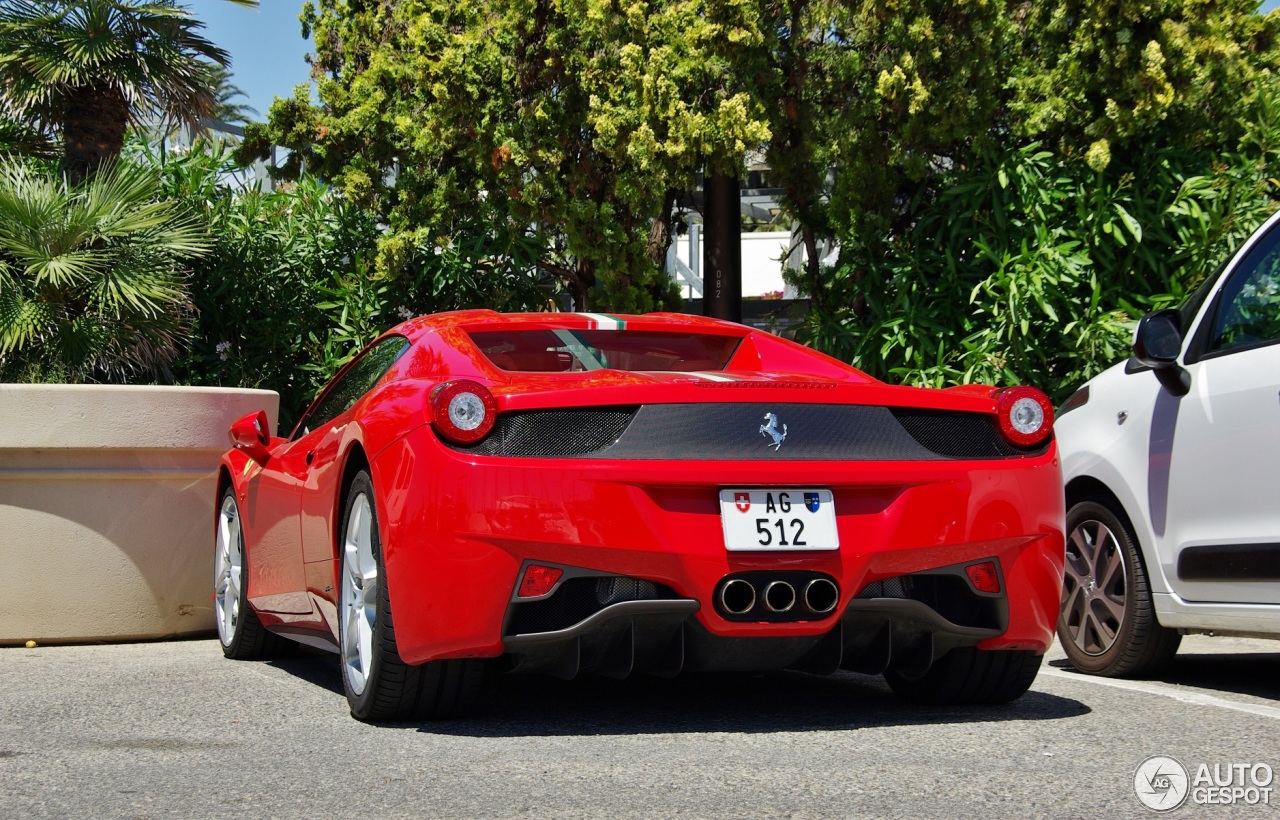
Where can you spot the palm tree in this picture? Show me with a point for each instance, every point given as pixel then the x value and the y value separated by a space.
pixel 91 279
pixel 20 138
pixel 228 109
pixel 88 69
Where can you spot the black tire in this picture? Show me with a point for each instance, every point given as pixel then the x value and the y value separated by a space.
pixel 969 676
pixel 242 635
pixel 1108 626
pixel 392 690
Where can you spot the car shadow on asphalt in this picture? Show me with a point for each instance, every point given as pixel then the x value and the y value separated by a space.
pixel 1256 674
pixel 314 666
pixel 741 703
pixel 517 706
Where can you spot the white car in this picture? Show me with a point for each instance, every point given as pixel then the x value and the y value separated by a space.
pixel 1172 469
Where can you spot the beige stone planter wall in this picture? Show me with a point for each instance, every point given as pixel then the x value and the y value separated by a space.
pixel 106 508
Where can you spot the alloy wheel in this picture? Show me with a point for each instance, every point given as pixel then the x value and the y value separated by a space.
pixel 359 594
pixel 228 575
pixel 1094 588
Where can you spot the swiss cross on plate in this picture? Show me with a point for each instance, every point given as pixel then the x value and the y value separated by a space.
pixel 742 501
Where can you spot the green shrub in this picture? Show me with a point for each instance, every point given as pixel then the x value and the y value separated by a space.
pixel 1034 267
pixel 92 279
pixel 288 293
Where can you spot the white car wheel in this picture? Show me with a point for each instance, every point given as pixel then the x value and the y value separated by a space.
pixel 1107 624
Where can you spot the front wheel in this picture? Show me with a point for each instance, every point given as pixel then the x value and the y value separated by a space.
pixel 1108 624
pixel 242 635
pixel 970 676
pixel 379 685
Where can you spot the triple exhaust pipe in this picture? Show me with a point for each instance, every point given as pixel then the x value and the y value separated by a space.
pixel 773 598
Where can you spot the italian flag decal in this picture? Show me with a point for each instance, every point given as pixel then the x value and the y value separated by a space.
pixel 600 321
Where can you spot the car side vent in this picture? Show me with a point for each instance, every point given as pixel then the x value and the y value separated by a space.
pixel 552 433
pixel 960 435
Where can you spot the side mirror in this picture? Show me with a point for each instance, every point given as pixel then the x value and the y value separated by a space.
pixel 250 434
pixel 1157 343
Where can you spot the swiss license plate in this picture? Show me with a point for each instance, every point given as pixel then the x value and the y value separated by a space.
pixel 791 519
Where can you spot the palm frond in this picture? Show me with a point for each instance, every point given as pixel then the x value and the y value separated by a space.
pixel 92 274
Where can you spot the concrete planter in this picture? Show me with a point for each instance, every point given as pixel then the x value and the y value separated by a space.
pixel 106 508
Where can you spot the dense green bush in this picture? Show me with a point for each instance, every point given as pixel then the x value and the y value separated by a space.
pixel 92 279
pixel 288 294
pixel 1032 267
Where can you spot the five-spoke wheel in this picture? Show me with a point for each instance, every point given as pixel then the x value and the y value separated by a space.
pixel 359 600
pixel 380 686
pixel 241 633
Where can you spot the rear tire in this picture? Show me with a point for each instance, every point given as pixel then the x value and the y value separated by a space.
pixel 242 635
pixel 969 676
pixel 379 685
pixel 1107 625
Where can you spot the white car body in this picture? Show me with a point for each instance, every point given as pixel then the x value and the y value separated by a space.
pixel 1197 475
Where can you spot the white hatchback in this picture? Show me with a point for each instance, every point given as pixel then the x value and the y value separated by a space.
pixel 1172 469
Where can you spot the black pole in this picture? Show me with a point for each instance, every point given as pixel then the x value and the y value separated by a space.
pixel 722 254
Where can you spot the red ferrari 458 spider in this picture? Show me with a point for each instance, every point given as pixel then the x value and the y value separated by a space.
pixel 567 493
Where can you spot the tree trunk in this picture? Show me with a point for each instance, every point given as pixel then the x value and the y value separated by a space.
pixel 722 255
pixel 93 128
pixel 660 232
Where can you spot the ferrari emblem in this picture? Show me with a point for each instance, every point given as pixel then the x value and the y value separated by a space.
pixel 771 430
pixel 742 501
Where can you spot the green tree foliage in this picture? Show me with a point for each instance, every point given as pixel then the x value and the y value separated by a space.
pixel 577 120
pixel 288 293
pixel 85 70
pixel 869 100
pixel 92 283
pixel 1033 269
pixel 1105 79
pixel 1000 257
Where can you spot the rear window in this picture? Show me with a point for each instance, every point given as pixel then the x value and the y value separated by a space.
pixel 562 351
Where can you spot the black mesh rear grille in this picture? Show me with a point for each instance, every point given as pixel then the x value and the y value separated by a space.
pixel 888 588
pixel 553 433
pixel 946 594
pixel 737 431
pixel 960 435
pixel 578 599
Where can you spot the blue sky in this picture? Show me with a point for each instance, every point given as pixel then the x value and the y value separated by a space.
pixel 266 46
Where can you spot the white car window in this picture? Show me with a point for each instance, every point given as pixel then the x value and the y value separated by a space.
pixel 1249 312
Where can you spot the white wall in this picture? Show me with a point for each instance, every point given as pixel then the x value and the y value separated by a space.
pixel 762 252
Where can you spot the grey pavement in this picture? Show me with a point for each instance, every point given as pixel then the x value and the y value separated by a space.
pixel 175 730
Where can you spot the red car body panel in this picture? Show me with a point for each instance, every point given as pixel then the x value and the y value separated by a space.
pixel 457 526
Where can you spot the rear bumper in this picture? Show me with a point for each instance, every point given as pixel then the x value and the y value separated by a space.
pixel 663 637
pixel 457 529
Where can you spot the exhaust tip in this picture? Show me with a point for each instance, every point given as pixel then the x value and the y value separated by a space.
pixel 821 596
pixel 779 596
pixel 737 597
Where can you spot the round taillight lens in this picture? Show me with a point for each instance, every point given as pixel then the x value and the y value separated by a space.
pixel 464 411
pixel 1026 416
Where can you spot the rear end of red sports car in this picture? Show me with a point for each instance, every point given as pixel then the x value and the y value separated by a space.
pixel 575 493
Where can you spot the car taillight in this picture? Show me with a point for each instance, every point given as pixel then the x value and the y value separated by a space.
pixel 1026 416
pixel 464 411
pixel 538 581
pixel 984 577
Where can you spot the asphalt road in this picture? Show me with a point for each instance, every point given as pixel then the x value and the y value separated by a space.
pixel 174 730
